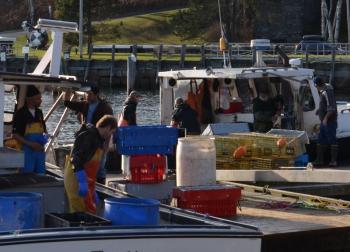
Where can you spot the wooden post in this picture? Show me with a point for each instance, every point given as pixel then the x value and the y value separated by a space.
pixel 131 73
pixel 229 54
pixel 87 69
pixel 134 50
pixel 111 73
pixel 183 56
pixel 25 63
pixel 331 77
pixel 159 63
pixel 203 59
pixel 3 60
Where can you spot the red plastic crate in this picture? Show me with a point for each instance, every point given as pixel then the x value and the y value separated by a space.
pixel 147 169
pixel 217 200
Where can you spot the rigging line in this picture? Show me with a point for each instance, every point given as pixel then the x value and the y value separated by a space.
pixel 220 20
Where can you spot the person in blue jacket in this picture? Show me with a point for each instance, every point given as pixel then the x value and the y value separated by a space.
pixel 29 130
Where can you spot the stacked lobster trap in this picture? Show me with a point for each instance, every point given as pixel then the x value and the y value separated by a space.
pixel 260 151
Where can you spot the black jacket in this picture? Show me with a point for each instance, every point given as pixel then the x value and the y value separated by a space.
pixel 129 111
pixel 85 146
pixel 187 118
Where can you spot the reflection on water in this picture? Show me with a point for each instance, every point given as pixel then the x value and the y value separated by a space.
pixel 147 110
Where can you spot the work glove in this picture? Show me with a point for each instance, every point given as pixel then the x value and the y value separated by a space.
pixel 82 183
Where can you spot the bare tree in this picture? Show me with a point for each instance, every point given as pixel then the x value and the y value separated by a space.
pixel 337 17
pixel 330 19
pixel 348 17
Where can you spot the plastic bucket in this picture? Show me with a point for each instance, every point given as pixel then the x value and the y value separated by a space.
pixel 20 210
pixel 132 211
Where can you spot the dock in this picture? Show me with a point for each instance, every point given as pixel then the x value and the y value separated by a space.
pixel 296 224
pixel 289 227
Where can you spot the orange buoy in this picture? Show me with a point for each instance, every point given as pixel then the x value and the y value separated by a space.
pixel 240 152
pixel 281 142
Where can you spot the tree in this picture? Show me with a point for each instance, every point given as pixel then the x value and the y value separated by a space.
pixel 195 20
pixel 67 10
pixel 330 19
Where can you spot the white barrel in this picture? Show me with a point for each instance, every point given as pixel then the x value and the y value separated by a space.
pixel 195 161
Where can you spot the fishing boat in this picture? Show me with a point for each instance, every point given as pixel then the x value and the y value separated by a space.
pixel 173 230
pixel 231 91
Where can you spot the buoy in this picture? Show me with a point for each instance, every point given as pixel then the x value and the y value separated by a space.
pixel 281 142
pixel 240 152
pixel 223 44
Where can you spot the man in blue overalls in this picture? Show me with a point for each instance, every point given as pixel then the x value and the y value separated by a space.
pixel 29 130
pixel 327 113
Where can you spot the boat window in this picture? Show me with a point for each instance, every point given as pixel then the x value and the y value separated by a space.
pixel 306 98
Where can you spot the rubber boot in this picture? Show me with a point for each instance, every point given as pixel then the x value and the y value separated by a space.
pixel 334 156
pixel 319 156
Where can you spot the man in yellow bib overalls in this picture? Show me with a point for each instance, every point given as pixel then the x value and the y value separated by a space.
pixel 29 130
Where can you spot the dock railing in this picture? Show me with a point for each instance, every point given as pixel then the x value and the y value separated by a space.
pixel 321 51
pixel 316 51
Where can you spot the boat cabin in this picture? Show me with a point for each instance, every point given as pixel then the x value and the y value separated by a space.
pixel 231 92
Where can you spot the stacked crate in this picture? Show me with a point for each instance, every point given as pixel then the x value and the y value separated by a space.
pixel 216 200
pixel 144 150
pixel 261 151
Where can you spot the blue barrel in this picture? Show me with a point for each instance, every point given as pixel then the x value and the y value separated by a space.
pixel 132 211
pixel 20 210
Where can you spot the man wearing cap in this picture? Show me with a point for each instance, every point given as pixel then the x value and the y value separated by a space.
pixel 327 113
pixel 29 130
pixel 92 110
pixel 129 108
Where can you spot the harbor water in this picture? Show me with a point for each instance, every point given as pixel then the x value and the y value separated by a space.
pixel 147 110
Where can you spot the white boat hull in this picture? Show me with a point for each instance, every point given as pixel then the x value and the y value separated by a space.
pixel 99 241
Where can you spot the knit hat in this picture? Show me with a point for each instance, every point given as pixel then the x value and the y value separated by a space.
pixel 134 94
pixel 32 91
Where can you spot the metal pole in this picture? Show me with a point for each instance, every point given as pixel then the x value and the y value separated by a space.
pixel 54 106
pixel 81 29
pixel 58 127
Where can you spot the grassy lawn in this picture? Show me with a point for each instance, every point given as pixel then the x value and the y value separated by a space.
pixel 154 28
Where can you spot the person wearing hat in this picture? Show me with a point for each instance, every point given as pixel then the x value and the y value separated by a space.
pixel 185 117
pixel 29 130
pixel 327 114
pixel 92 109
pixel 129 108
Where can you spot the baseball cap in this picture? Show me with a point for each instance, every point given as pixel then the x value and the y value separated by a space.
pixel 318 81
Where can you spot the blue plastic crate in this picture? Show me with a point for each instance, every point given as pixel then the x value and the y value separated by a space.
pixel 301 160
pixel 146 140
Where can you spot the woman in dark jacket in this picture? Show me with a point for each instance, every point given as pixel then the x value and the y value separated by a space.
pixel 129 108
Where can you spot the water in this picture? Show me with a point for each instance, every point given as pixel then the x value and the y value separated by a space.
pixel 147 111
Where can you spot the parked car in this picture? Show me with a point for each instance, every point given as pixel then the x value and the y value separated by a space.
pixel 314 44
